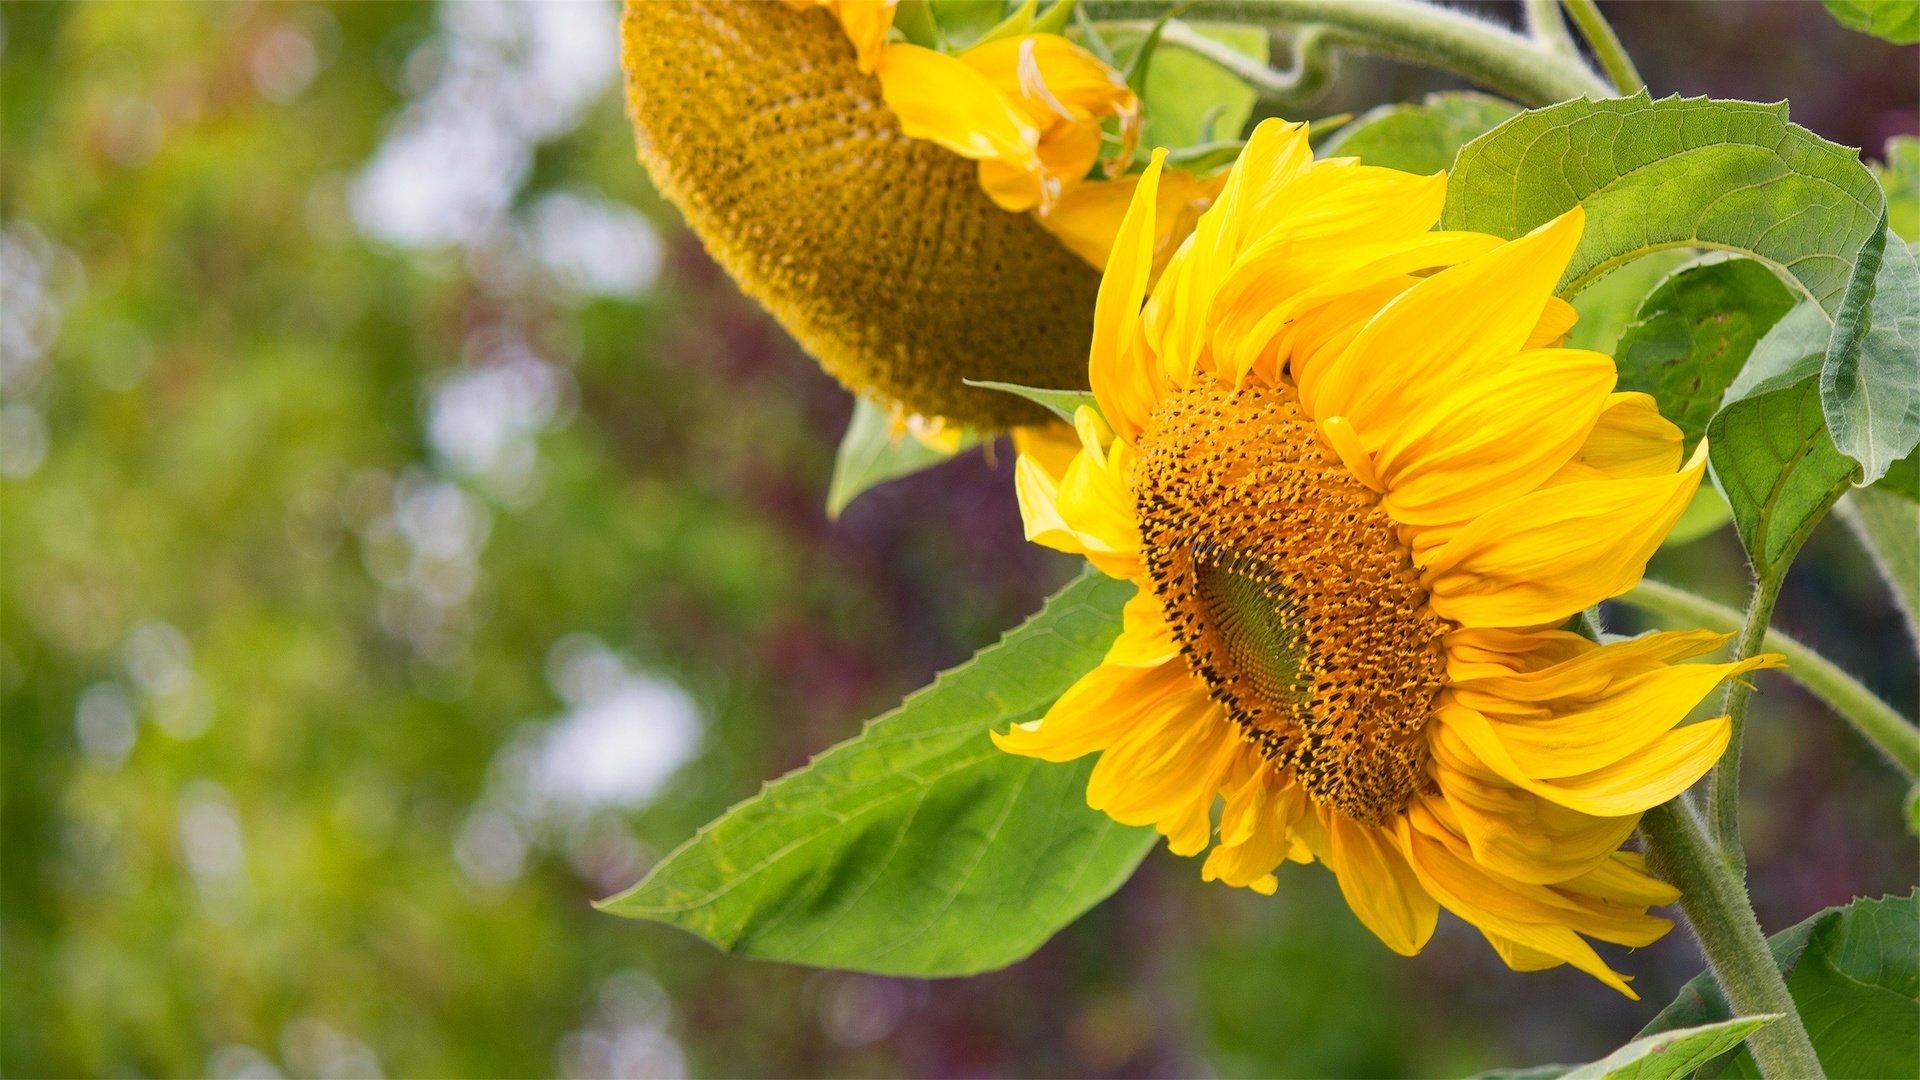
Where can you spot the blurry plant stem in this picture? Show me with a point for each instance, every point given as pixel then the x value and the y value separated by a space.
pixel 1498 59
pixel 1606 45
pixel 1714 899
pixel 1875 720
pixel 1545 26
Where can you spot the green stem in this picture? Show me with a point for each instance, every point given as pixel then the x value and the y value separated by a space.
pixel 1714 900
pixel 1606 45
pixel 1876 721
pixel 1545 26
pixel 1495 58
pixel 1723 786
pixel 1308 77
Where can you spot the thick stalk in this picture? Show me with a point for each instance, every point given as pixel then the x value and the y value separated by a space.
pixel 1606 45
pixel 1875 720
pixel 1495 58
pixel 1723 787
pixel 1714 900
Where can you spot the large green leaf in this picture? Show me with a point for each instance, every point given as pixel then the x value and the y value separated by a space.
pixel 1897 21
pixel 1870 384
pixel 1854 973
pixel 1693 333
pixel 1775 462
pixel 1678 171
pixel 872 453
pixel 918 848
pixel 1731 175
pixel 1420 138
pixel 1666 1055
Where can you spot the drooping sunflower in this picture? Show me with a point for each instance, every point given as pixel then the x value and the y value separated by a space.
pixel 913 219
pixel 1361 491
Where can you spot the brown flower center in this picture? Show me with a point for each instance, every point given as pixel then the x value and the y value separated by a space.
pixel 1290 593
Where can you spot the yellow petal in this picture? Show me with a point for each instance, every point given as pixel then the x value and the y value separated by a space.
pixel 1484 900
pixel 1577 739
pixel 1088 216
pixel 1655 773
pixel 1461 323
pixel 1551 553
pixel 1146 640
pixel 1520 834
pixel 1492 438
pixel 942 100
pixel 1623 880
pixel 1125 382
pixel 1181 318
pixel 1096 711
pixel 1052 445
pixel 1379 886
pixel 1631 439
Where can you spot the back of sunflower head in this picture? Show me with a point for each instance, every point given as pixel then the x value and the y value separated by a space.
pixel 880 254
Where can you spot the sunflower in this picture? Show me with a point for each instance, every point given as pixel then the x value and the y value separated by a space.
pixel 1360 490
pixel 883 201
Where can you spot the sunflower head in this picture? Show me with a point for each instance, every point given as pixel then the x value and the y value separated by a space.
pixel 881 254
pixel 1360 488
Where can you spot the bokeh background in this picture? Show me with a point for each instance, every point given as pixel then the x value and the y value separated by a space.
pixel 409 536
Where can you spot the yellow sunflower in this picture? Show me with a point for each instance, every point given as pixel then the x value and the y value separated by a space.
pixel 1360 490
pixel 883 201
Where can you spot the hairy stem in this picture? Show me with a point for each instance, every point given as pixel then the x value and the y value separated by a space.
pixel 1307 78
pixel 1606 45
pixel 1875 720
pixel 1723 786
pixel 1491 56
pixel 1714 900
pixel 1545 26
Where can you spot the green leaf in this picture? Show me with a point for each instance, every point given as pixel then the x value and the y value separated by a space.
pixel 1903 478
pixel 1897 21
pixel 1679 171
pixel 1061 403
pixel 1870 384
pixel 1854 973
pixel 1776 464
pixel 1189 99
pixel 1667 1055
pixel 918 848
pixel 1607 306
pixel 1888 526
pixel 872 453
pixel 1672 1054
pixel 1899 176
pixel 1419 138
pixel 1731 175
pixel 1693 333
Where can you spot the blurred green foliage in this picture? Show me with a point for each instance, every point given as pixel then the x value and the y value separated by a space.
pixel 408 537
